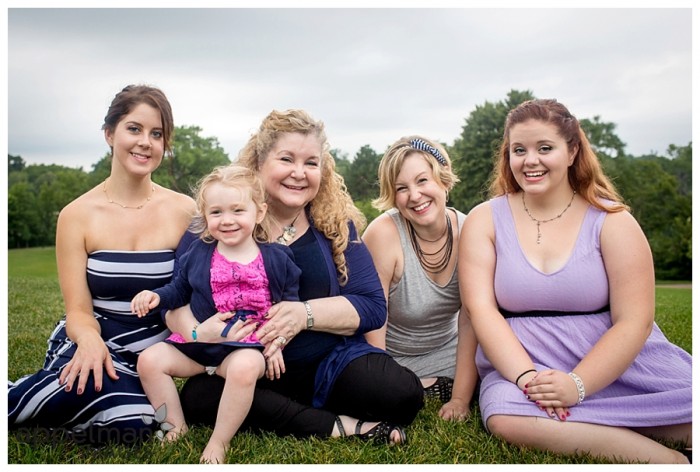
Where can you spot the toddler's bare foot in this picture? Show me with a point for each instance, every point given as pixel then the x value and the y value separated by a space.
pixel 214 453
pixel 175 434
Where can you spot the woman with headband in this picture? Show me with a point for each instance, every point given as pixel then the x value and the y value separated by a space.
pixel 414 248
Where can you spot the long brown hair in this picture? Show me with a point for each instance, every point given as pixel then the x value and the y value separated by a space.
pixel 585 175
pixel 131 96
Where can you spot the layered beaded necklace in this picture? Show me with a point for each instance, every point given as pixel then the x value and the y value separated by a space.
pixel 446 249
pixel 148 199
pixel 541 222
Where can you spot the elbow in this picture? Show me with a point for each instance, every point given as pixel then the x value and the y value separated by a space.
pixel 372 320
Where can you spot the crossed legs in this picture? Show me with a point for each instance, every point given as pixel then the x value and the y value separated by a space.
pixel 614 443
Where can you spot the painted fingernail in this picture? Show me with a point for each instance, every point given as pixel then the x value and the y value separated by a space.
pixel 537 402
pixel 525 391
pixel 563 417
pixel 80 391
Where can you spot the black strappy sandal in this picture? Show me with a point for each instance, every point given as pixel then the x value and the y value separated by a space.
pixel 442 389
pixel 381 433
pixel 339 424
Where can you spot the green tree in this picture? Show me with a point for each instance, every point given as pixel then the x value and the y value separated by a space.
pixel 101 169
pixel 602 137
pixel 679 164
pixel 662 211
pixel 23 221
pixel 361 178
pixel 342 163
pixel 56 189
pixel 365 206
pixel 14 163
pixel 192 158
pixel 473 152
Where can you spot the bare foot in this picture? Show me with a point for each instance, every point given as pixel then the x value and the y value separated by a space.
pixel 214 453
pixel 175 434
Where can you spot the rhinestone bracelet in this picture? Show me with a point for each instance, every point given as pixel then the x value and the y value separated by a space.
pixel 579 386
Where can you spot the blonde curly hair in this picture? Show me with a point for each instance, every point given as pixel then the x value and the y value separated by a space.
pixel 332 207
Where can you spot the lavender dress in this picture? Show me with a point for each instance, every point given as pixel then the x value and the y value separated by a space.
pixel 654 391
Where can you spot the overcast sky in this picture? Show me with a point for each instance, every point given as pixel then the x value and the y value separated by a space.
pixel 372 75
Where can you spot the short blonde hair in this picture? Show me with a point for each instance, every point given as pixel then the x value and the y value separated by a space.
pixel 394 158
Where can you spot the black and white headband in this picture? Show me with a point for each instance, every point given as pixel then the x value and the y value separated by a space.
pixel 421 145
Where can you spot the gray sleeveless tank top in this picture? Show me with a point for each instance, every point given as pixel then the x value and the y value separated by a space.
pixel 422 318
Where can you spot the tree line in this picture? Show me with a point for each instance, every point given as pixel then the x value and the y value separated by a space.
pixel 658 189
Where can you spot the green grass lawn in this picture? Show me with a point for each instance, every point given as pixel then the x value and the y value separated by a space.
pixel 35 305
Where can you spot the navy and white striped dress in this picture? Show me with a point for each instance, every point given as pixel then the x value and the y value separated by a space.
pixel 116 412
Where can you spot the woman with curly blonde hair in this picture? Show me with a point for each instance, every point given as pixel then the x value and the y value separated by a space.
pixel 333 376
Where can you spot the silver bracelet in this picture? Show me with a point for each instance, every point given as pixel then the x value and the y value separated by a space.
pixel 579 386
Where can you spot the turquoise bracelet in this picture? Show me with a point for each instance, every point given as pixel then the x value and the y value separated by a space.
pixel 194 332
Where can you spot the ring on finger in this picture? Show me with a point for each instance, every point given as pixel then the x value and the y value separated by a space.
pixel 281 340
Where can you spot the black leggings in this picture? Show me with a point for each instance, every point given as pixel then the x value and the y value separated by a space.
pixel 373 387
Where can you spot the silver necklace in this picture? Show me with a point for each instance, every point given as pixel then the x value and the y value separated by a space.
pixel 148 199
pixel 288 232
pixel 541 222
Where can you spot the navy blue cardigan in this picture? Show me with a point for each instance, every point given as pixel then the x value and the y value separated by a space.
pixel 192 282
pixel 364 291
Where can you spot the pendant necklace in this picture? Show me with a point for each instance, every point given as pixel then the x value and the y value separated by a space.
pixel 288 232
pixel 446 249
pixel 541 222
pixel 148 199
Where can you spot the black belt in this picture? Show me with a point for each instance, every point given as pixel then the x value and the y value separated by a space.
pixel 539 313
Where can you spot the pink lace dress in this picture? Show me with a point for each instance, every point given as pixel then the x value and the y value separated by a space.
pixel 242 289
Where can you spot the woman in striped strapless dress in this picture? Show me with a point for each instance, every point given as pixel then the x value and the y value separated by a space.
pixel 115 240
pixel 113 276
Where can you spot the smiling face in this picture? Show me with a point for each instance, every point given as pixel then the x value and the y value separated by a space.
pixel 419 197
pixel 231 214
pixel 291 172
pixel 137 140
pixel 539 157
